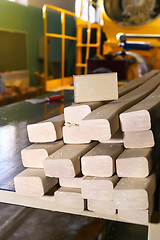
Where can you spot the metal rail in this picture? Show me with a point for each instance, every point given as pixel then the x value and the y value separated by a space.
pixel 62 36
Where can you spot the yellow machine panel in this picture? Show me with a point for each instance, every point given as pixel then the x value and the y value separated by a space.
pixel 140 20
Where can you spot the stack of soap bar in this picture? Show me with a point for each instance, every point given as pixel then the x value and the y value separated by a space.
pixel 103 122
pixel 86 168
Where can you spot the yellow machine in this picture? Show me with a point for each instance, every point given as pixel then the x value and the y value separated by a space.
pixel 135 24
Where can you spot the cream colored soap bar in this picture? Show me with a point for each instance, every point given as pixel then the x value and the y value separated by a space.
pixel 99 188
pixel 34 155
pixel 72 134
pixel 95 87
pixel 76 112
pixel 49 130
pixel 134 193
pixel 65 162
pixel 136 163
pixel 33 183
pixel 71 182
pixel 136 216
pixel 69 199
pixel 102 207
pixel 100 160
pixel 138 117
pixel 144 139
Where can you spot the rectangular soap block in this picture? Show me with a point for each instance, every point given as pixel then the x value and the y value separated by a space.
pixel 102 207
pixel 49 130
pixel 33 183
pixel 75 182
pixel 141 139
pixel 76 112
pixel 95 87
pixel 100 160
pixel 134 193
pixel 136 216
pixel 72 134
pixel 99 188
pixel 136 163
pixel 34 155
pixel 69 199
pixel 65 162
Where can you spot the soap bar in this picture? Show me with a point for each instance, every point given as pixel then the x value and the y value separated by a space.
pixel 49 130
pixel 65 162
pixel 136 163
pixel 33 183
pixel 74 182
pixel 144 139
pixel 102 207
pixel 136 216
pixel 69 199
pixel 95 87
pixel 99 188
pixel 76 112
pixel 72 134
pixel 100 160
pixel 34 155
pixel 134 193
pixel 138 117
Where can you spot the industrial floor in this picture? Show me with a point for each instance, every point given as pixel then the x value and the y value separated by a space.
pixel 39 224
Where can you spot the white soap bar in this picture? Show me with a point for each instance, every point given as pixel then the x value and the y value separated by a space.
pixel 33 183
pixel 144 139
pixel 136 163
pixel 134 193
pixel 65 162
pixel 136 216
pixel 34 155
pixel 99 188
pixel 76 112
pixel 100 160
pixel 72 134
pixel 71 182
pixel 69 199
pixel 138 117
pixel 102 207
pixel 49 130
pixel 95 87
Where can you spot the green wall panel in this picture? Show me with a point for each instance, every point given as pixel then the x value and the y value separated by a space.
pixel 29 19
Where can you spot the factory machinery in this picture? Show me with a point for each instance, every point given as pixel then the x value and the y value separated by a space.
pixel 133 36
